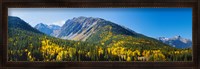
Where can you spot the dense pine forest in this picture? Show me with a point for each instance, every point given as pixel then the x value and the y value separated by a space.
pixel 28 44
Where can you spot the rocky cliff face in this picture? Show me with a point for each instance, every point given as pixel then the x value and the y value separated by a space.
pixel 78 28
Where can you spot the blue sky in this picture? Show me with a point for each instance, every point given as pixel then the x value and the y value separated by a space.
pixel 153 22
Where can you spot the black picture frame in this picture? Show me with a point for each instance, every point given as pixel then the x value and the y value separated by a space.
pixel 194 4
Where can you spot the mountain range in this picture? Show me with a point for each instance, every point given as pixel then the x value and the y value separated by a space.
pixel 96 30
pixel 81 28
pixel 176 41
pixel 84 28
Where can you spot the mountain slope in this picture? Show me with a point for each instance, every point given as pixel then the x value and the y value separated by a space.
pixel 91 29
pixel 17 23
pixel 81 28
pixel 21 36
pixel 177 42
pixel 77 28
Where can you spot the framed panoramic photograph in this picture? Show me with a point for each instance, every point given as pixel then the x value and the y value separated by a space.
pixel 95 34
pixel 100 34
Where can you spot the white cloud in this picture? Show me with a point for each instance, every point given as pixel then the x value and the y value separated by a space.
pixel 59 23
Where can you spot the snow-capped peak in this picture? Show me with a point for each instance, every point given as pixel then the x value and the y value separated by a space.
pixel 176 41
